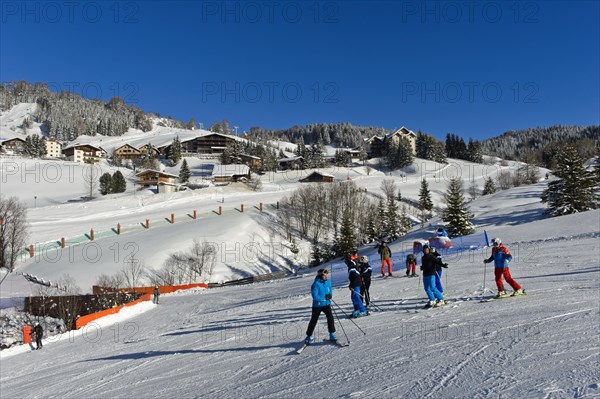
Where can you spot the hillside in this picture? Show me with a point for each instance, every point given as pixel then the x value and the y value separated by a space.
pixel 60 212
pixel 239 341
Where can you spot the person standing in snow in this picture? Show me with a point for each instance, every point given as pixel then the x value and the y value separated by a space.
pixel 411 265
pixel 441 232
pixel 438 269
pixel 321 292
pixel 429 263
pixel 386 258
pixel 365 271
pixel 38 334
pixel 501 256
pixel 354 286
pixel 156 295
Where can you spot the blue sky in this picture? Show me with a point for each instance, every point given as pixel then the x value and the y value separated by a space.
pixel 473 68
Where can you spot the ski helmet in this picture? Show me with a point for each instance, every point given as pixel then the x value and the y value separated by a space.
pixel 364 259
pixel 496 241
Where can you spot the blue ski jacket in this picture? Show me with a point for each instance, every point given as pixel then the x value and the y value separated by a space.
pixel 501 256
pixel 319 289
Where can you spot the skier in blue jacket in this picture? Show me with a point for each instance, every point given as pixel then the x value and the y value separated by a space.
pixel 321 292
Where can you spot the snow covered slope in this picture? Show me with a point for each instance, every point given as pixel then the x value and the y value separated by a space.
pixel 239 342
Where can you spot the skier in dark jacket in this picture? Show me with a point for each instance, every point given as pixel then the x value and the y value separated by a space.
pixel 38 334
pixel 438 269
pixel 350 260
pixel 429 264
pixel 156 295
pixel 321 292
pixel 354 286
pixel 365 273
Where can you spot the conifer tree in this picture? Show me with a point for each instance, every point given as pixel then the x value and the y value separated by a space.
pixel 106 185
pixel 380 221
pixel 457 215
pixel 425 202
pixel 119 185
pixel 347 238
pixel 489 186
pixel 405 222
pixel 391 218
pixel 175 151
pixel 184 172
pixel 574 190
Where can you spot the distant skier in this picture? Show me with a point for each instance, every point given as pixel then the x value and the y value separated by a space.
pixel 38 334
pixel 386 258
pixel 429 263
pixel 156 295
pixel 365 273
pixel 411 265
pixel 501 256
pixel 321 293
pixel 354 286
pixel 441 232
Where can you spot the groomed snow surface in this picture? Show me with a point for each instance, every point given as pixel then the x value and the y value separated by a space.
pixel 240 342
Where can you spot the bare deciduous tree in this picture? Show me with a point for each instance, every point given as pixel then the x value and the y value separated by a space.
pixel 388 186
pixel 133 272
pixel 13 231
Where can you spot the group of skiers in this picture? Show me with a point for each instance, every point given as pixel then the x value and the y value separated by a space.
pixel 359 276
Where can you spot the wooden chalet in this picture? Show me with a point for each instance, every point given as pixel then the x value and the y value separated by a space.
pixel 127 151
pixel 13 146
pixel 155 151
pixel 253 162
pixel 213 143
pixel 152 177
pixel 317 177
pixel 290 163
pixel 230 173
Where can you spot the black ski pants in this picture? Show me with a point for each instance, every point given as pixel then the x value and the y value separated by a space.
pixel 316 312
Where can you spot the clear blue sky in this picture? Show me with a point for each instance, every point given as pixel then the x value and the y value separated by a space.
pixel 472 68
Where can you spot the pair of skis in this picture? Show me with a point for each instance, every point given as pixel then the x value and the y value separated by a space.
pixel 503 297
pixel 338 343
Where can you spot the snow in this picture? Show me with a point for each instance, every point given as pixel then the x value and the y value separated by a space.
pixel 240 341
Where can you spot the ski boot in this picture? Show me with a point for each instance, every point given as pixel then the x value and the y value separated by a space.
pixel 439 303
pixel 517 292
pixel 309 339
pixel 414 275
pixel 501 294
pixel 429 304
pixel 332 337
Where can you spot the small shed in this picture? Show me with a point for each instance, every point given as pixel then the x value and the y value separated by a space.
pixel 317 177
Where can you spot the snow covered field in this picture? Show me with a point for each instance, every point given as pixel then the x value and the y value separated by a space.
pixel 239 342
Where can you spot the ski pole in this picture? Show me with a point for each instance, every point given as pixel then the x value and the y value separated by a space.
pixel 340 323
pixel 345 314
pixel 484 272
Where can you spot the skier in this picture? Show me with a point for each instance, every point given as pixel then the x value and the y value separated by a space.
pixel 386 258
pixel 501 256
pixel 38 333
pixel 441 232
pixel 438 269
pixel 365 273
pixel 156 295
pixel 411 265
pixel 321 293
pixel 354 286
pixel 428 265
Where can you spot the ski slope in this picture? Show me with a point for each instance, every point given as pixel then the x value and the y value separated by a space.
pixel 240 342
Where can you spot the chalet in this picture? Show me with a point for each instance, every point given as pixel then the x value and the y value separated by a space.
pixel 230 173
pixel 53 148
pixel 290 163
pixel 353 153
pixel 253 162
pixel 407 134
pixel 85 153
pixel 152 177
pixel 127 151
pixel 317 177
pixel 213 143
pixel 375 145
pixel 13 146
pixel 144 150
